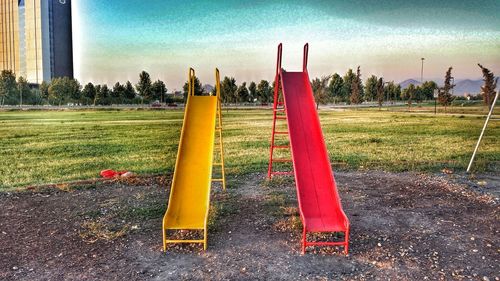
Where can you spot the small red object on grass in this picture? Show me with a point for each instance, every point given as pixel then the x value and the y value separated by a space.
pixel 111 173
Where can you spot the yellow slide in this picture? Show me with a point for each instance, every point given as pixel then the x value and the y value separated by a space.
pixel 190 193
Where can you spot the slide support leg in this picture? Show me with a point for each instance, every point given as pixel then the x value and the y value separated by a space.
pixel 205 239
pixel 164 239
pixel 304 240
pixel 346 246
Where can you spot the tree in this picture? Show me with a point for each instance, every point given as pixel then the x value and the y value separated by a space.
pixel 88 94
pixel 419 95
pixel 75 89
pixel 389 91
pixel 228 90
pixel 57 92
pixel 129 93
pixel 159 90
pixel 36 97
pixel 64 89
pixel 252 89
pixel 198 88
pixel 380 92
pixel 427 90
pixel 445 98
pixel 348 79
pixel 44 91
pixel 242 93
pixel 335 87
pixel 144 85
pixel 103 95
pixel 397 91
pixel 408 95
pixel 7 85
pixel 393 91
pixel 489 86
pixel 97 98
pixel 356 89
pixel 24 90
pixel 371 88
pixel 118 93
pixel 319 87
pixel 264 92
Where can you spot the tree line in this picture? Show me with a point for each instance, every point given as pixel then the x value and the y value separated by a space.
pixel 64 90
pixel 335 88
pixel 349 89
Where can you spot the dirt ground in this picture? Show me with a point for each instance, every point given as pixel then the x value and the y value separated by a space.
pixel 404 226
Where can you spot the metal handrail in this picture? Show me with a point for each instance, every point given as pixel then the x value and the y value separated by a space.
pixel 191 82
pixel 278 61
pixel 217 83
pixel 304 62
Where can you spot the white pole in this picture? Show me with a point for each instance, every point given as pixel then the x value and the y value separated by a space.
pixel 482 131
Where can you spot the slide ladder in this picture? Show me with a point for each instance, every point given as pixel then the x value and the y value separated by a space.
pixel 219 148
pixel 189 198
pixel 319 203
pixel 280 136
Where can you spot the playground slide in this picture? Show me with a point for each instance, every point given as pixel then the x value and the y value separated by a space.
pixel 319 202
pixel 190 193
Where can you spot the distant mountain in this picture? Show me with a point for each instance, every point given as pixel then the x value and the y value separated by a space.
pixel 467 86
pixel 207 88
pixel 407 83
pixel 461 86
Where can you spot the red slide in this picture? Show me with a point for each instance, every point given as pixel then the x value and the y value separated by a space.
pixel 319 202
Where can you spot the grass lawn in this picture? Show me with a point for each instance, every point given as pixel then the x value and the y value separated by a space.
pixel 39 147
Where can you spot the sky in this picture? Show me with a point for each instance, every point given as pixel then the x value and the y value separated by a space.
pixel 116 39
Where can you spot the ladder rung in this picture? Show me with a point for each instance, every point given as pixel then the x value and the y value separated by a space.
pixel 184 241
pixel 282 160
pixel 281 117
pixel 281 133
pixel 281 173
pixel 218 164
pixel 217 179
pixel 281 146
pixel 279 110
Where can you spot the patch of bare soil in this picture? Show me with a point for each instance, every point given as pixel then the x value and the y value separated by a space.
pixel 403 226
pixel 486 183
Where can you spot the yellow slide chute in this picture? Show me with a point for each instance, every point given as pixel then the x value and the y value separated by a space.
pixel 189 200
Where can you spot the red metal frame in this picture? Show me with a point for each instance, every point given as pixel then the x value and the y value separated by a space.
pixel 340 222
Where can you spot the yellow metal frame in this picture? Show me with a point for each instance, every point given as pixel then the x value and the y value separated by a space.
pixel 218 128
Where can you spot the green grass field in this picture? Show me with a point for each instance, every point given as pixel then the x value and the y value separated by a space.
pixel 38 147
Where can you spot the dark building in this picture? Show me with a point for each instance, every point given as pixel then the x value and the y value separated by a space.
pixel 61 39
